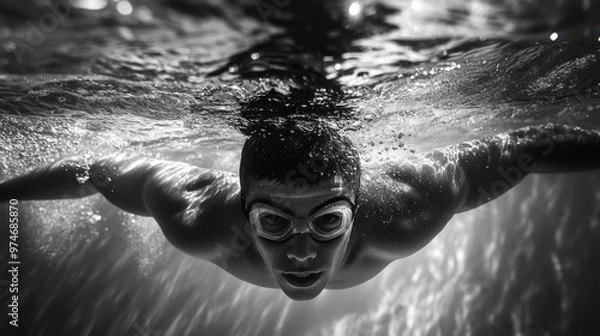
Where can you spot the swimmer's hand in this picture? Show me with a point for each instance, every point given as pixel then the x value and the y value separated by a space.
pixel 493 165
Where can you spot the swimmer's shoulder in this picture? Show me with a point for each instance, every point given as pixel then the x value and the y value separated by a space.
pixel 195 207
pixel 404 204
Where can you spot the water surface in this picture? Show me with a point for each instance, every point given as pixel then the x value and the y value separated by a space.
pixel 171 79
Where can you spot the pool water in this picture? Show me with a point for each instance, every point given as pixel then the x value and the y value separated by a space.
pixel 170 79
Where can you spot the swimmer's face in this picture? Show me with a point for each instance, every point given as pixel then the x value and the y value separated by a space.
pixel 301 264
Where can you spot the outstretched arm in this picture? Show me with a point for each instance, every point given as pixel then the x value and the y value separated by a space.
pixel 63 179
pixel 493 165
pixel 192 205
pixel 414 199
pixel 122 179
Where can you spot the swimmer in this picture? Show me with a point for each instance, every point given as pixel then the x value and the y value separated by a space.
pixel 304 214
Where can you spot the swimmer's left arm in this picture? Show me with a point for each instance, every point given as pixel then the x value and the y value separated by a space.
pixel 493 165
pixel 413 199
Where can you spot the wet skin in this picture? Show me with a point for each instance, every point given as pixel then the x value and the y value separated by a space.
pixel 379 235
pixel 401 206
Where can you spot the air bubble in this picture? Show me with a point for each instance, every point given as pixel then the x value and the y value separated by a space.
pixel 82 179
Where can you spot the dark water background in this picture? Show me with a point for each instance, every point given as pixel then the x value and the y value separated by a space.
pixel 169 80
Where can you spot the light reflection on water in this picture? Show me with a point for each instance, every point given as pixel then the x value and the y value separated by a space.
pixel 524 264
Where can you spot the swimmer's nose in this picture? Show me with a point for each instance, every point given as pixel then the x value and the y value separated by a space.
pixel 302 248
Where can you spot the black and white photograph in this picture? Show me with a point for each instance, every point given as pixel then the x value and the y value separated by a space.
pixel 299 167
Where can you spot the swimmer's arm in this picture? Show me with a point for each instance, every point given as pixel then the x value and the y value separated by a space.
pixel 413 199
pixel 493 165
pixel 122 179
pixel 194 206
pixel 58 180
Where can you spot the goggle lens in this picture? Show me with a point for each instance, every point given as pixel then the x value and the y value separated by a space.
pixel 325 224
pixel 274 224
pixel 328 223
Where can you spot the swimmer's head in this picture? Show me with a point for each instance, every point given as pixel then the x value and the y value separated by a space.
pixel 294 171
pixel 299 155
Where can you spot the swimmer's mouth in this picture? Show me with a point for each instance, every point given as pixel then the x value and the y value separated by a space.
pixel 302 279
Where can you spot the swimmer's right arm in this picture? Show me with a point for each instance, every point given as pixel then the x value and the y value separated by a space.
pixel 58 180
pixel 122 179
pixel 185 200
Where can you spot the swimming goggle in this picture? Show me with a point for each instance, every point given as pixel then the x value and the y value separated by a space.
pixel 326 223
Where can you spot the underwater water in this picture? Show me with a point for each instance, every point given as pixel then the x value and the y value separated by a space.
pixel 169 79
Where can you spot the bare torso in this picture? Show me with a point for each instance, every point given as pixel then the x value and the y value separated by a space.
pixel 400 209
pixel 402 205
